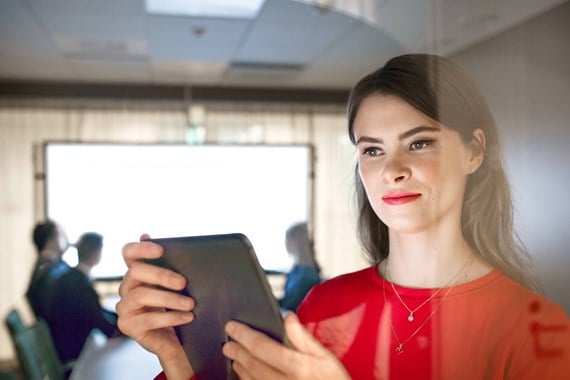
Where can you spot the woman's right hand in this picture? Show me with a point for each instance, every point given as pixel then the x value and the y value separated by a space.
pixel 148 313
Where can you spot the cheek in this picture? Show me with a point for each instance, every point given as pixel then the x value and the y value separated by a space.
pixel 368 177
pixel 429 174
pixel 449 178
pixel 372 183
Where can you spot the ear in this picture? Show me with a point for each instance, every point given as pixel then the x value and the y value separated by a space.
pixel 477 147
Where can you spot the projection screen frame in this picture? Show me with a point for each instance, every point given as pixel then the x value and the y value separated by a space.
pixel 42 175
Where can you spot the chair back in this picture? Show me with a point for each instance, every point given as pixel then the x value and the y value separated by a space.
pixel 51 366
pixel 24 344
pixel 35 349
pixel 14 322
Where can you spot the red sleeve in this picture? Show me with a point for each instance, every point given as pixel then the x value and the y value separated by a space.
pixel 162 376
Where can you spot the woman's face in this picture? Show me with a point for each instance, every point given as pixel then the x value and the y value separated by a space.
pixel 413 169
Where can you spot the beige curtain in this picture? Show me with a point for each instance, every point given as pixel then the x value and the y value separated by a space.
pixel 25 126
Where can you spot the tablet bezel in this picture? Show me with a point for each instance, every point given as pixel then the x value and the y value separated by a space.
pixel 226 281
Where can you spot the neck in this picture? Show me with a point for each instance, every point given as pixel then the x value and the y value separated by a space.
pixel 305 262
pixel 426 259
pixel 50 253
pixel 85 268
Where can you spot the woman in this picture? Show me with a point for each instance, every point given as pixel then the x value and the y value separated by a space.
pixel 450 294
pixel 305 272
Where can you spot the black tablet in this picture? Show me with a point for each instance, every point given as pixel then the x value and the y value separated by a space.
pixel 227 283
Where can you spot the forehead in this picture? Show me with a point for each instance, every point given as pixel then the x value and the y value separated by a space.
pixel 385 112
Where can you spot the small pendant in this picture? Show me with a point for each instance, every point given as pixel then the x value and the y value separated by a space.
pixel 400 348
pixel 411 317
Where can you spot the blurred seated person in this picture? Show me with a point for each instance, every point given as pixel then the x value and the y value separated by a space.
pixel 305 272
pixel 51 242
pixel 74 308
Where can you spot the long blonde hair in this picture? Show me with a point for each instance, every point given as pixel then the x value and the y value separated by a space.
pixel 444 92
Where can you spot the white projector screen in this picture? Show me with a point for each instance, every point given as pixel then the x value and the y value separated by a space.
pixel 124 190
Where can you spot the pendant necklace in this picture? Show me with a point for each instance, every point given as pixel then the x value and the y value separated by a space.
pixel 461 274
pixel 411 315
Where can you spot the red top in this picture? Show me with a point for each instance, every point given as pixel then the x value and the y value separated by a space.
pixel 490 328
pixel 162 376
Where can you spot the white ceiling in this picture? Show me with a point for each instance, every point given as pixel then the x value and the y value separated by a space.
pixel 292 44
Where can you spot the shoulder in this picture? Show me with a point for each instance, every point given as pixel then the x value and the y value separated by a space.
pixel 73 277
pixel 367 275
pixel 498 296
pixel 308 271
pixel 341 292
pixel 521 318
pixel 348 281
pixel 539 331
pixel 517 297
pixel 73 272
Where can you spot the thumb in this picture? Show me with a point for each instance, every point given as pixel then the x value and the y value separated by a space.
pixel 301 338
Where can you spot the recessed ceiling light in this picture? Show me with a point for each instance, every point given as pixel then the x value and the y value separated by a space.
pixel 205 8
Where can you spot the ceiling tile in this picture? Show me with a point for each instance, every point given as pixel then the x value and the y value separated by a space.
pixel 20 34
pixel 291 33
pixel 172 37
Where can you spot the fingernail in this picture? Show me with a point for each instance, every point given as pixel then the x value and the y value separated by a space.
pixel 177 281
pixel 292 316
pixel 188 317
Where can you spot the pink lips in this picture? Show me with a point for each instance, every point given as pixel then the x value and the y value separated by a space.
pixel 399 198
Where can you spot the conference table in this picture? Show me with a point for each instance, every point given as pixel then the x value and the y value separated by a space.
pixel 119 358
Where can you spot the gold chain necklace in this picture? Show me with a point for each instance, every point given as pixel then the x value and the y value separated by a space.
pixel 411 315
pixel 400 346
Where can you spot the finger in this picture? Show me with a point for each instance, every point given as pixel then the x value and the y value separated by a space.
pixel 140 250
pixel 247 365
pixel 262 347
pixel 143 296
pixel 137 326
pixel 301 338
pixel 144 237
pixel 244 374
pixel 141 273
pixel 241 371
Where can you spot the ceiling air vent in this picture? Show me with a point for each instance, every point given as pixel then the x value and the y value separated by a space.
pixel 257 70
pixel 99 48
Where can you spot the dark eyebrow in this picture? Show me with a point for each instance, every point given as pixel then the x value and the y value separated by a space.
pixel 405 135
pixel 369 140
pixel 416 130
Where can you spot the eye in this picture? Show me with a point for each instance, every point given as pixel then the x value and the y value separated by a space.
pixel 422 144
pixel 372 152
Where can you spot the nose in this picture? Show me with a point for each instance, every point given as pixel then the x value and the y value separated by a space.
pixel 395 170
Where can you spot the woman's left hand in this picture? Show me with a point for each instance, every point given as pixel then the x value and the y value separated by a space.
pixel 256 356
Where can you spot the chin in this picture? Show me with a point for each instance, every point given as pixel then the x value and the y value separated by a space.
pixel 406 226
